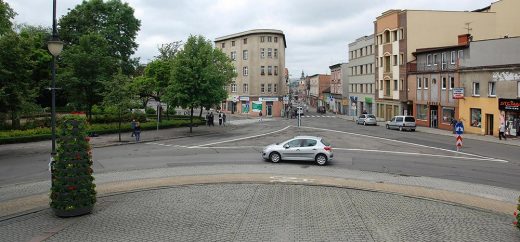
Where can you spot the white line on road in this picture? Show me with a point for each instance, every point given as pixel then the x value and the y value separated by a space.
pixel 422 154
pixel 404 142
pixel 243 138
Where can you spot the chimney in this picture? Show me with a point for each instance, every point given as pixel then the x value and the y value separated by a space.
pixel 464 39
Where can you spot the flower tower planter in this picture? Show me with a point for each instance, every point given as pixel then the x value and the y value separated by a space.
pixel 73 191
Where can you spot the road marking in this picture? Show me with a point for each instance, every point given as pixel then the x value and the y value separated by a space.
pixel 290 179
pixel 152 143
pixel 404 142
pixel 243 138
pixel 422 154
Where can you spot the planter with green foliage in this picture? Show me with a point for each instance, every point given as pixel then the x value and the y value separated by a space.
pixel 73 191
pixel 517 214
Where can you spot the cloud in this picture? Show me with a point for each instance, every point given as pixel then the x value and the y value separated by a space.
pixel 317 32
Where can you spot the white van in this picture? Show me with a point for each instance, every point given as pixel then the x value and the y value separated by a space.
pixel 402 123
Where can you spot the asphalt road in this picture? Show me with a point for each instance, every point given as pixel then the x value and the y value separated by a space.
pixel 355 147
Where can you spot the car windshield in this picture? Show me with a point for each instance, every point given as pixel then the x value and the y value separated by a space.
pixel 371 116
pixel 325 142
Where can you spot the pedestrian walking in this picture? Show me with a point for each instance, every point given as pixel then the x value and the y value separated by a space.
pixel 260 115
pixel 501 131
pixel 516 125
pixel 132 126
pixel 219 118
pixel 207 119
pixel 137 132
pixel 224 119
pixel 211 119
pixel 453 123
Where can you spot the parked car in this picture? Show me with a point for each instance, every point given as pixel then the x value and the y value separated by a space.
pixel 321 109
pixel 402 123
pixel 305 148
pixel 366 119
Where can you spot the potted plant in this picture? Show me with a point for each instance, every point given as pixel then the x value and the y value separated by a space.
pixel 73 191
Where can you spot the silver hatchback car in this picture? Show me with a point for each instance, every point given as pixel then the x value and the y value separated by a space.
pixel 366 119
pixel 309 148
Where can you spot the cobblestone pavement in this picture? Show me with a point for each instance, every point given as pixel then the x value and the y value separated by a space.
pixel 264 212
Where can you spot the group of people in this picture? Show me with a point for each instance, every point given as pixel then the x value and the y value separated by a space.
pixel 221 119
pixel 136 130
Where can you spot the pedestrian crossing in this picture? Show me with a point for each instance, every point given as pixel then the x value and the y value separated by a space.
pixel 319 116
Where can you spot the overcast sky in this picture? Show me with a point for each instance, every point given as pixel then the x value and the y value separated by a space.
pixel 317 31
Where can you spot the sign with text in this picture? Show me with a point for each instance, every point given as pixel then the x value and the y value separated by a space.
pixel 509 104
pixel 458 93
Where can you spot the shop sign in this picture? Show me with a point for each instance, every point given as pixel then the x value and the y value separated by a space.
pixel 458 93
pixel 344 102
pixel 244 98
pixel 509 104
pixel 268 99
pixel 368 100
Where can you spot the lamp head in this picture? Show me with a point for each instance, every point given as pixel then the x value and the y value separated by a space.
pixel 55 46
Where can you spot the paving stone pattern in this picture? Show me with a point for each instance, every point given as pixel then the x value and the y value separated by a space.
pixel 265 212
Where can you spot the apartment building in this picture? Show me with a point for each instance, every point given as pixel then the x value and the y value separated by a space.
pixel 259 59
pixel 361 76
pixel 338 97
pixel 318 83
pixel 399 33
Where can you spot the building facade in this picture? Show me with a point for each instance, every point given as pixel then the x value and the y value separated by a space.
pixel 398 33
pixel 317 84
pixel 259 59
pixel 338 94
pixel 361 76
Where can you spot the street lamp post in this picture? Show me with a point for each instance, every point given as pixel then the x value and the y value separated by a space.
pixel 55 46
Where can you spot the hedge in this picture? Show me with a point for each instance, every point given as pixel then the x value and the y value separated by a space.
pixel 38 134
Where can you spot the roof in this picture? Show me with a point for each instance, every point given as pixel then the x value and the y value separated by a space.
pixel 307 137
pixel 434 49
pixel 252 32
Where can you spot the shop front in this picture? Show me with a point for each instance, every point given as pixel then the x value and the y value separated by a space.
pixel 510 111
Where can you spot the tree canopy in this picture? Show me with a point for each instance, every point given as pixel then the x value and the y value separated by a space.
pixel 199 74
pixel 113 20
pixel 6 16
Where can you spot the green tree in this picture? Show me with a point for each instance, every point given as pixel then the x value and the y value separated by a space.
pixel 85 67
pixel 142 86
pixel 16 67
pixel 119 95
pixel 113 20
pixel 6 16
pixel 199 71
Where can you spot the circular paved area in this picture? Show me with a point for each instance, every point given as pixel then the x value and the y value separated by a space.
pixel 264 212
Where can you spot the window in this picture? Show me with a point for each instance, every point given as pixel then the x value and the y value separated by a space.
pixel 401 85
pixel 453 56
pixel 269 39
pixel 426 84
pixel 245 54
pixel 262 39
pixel 401 34
pixel 476 117
pixel 380 61
pixel 422 111
pixel 444 84
pixel 401 59
pixel 435 60
pixel 276 39
pixel 245 41
pixel 270 53
pixel 395 60
pixel 518 87
pixel 276 70
pixel 262 88
pixel 476 89
pixel 371 88
pixel 394 35
pixel 395 85
pixel 461 54
pixel 223 45
pixel 245 88
pixel 233 55
pixel 387 36
pixel 262 53
pixel 233 87
pixel 275 88
pixel 419 83
pixel 492 89
pixel 444 60
pixel 387 63
pixel 448 114
pixel 361 88
pixel 275 53
pixel 361 70
pixel 452 82
pixel 262 72
pixel 429 60
pixel 269 87
pixel 380 84
pixel 245 72
pixel 269 70
pixel 233 43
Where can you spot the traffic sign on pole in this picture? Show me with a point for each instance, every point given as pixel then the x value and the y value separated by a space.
pixel 458 142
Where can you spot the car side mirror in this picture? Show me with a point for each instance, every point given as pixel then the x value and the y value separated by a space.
pixel 286 146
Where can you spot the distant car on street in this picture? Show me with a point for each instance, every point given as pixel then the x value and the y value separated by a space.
pixel 366 119
pixel 402 123
pixel 304 148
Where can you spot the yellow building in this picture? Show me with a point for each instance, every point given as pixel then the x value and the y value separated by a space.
pixel 480 115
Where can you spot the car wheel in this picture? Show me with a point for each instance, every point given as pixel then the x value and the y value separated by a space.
pixel 321 159
pixel 413 130
pixel 274 157
pixel 387 126
pixel 400 128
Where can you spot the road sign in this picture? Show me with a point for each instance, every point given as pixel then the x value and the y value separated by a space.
pixel 458 142
pixel 458 93
pixel 459 128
